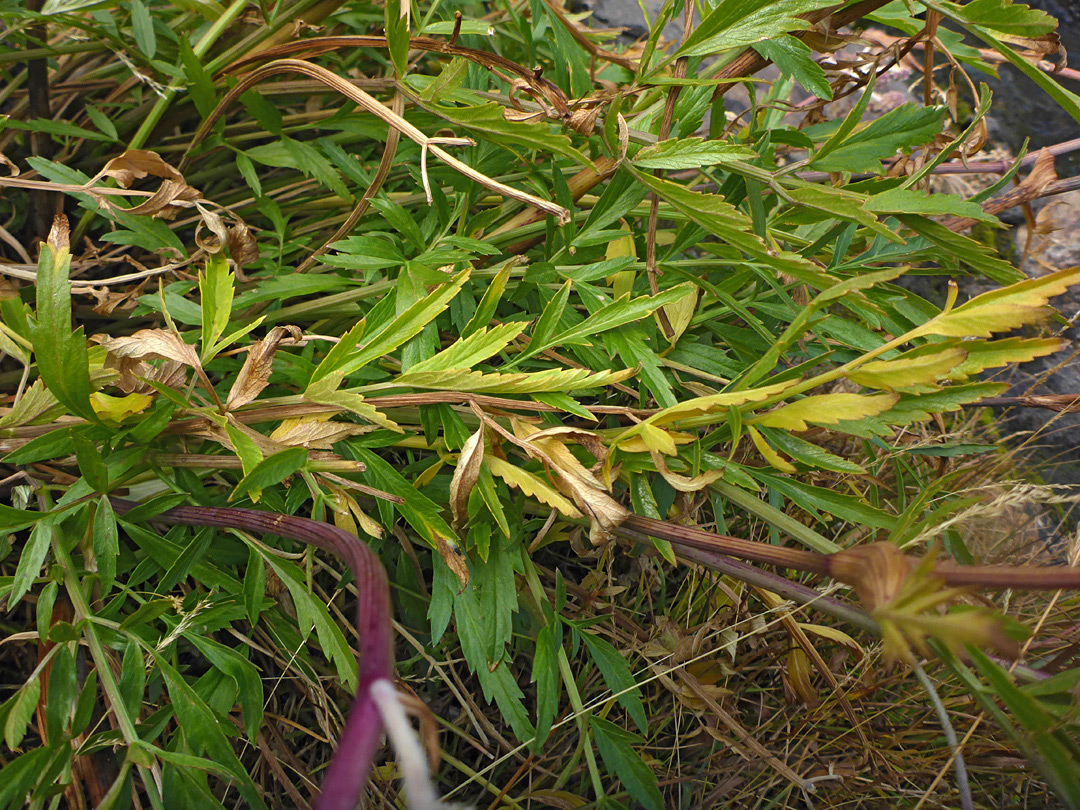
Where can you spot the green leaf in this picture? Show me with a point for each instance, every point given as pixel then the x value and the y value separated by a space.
pixel 143 25
pixel 810 454
pixel 556 379
pixel 690 153
pixel 616 747
pixel 31 559
pixel 739 23
pixel 498 599
pixel 312 163
pixel 106 544
pixel 905 127
pixel 394 334
pixel 845 507
pixel 203 730
pixel 618 677
pixel 918 373
pixel 793 57
pixel 1003 16
pixel 216 297
pixel 467 352
pixel 619 313
pixel 487 122
pixel 912 201
pixel 18 710
pixel 824 409
pixel 1003 309
pixel 312 613
pixel 1052 748
pixel 271 470
pixel 60 353
pixel 485 310
pixel 545 674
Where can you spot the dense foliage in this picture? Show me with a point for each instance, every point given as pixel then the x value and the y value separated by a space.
pixel 483 286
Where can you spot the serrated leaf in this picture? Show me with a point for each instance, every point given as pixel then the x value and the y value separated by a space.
pixel 201 728
pixel 618 677
pixel 904 128
pixel 467 352
pixel 768 453
pixel 325 392
pixel 1001 310
pixel 397 332
pixel 616 748
pixel 794 58
pixel 556 379
pixel 738 23
pixel 216 297
pixel 532 485
pixel 1003 16
pixel 488 122
pixel 60 352
pixel 18 710
pixel 824 409
pixel 920 373
pixel 912 201
pixel 810 454
pixel 690 153
pixel 722 219
pixel 271 470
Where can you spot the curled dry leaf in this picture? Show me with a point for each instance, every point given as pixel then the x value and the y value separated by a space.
pixel 254 376
pixel 242 245
pixel 589 493
pixel 137 164
pixel 466 475
pixel 453 559
pixel 152 344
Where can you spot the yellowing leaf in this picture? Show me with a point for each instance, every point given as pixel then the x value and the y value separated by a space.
pixel 825 409
pixel 680 313
pixel 532 486
pixel 557 379
pixel 324 392
pixel 1001 310
pixel 768 453
pixel 920 372
pixel 714 405
pixel 315 432
pixel 116 409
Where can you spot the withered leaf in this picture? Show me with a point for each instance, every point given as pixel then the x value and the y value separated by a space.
pixel 254 376
pixel 466 475
pixel 152 344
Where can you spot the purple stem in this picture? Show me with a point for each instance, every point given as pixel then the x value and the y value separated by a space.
pixel 348 771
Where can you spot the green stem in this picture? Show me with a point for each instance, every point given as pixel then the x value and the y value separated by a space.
pixel 201 47
pixel 101 662
pixel 580 715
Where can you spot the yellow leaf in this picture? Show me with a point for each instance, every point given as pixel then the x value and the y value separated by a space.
pixel 825 409
pixel 116 409
pixel 531 485
pixel 680 313
pixel 1001 310
pixel 920 372
pixel 768 453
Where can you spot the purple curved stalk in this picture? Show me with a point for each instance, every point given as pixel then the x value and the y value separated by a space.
pixel 345 778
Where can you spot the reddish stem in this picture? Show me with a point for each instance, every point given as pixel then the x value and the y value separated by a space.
pixel 348 771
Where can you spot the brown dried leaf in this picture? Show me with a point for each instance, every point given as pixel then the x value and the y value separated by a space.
pixel 136 164
pixel 254 376
pixel 161 204
pixel 242 245
pixel 153 344
pixel 453 560
pixel 466 475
